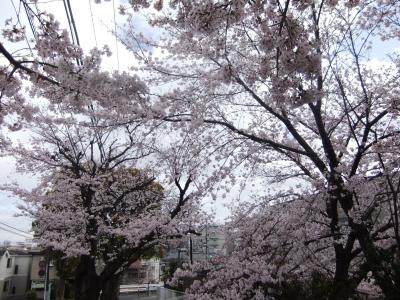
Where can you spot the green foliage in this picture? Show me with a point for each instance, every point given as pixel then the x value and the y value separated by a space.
pixel 385 266
pixel 171 267
pixel 66 266
pixel 53 293
pixel 30 295
pixel 317 288
pixel 155 251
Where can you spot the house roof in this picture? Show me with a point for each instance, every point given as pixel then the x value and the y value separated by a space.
pixel 13 251
pixel 17 251
pixel 38 251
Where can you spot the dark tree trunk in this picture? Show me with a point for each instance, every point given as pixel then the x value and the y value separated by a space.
pixel 87 284
pixel 111 289
pixel 61 289
pixel 341 288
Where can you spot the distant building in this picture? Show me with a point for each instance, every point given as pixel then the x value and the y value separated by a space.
pixel 14 273
pixel 209 244
pixel 23 270
pixel 176 250
pixel 143 271
pixel 38 272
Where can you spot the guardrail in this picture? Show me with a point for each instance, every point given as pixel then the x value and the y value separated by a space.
pixel 139 288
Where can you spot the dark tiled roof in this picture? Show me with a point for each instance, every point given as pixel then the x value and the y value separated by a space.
pixel 37 251
pixel 17 251
pixel 13 251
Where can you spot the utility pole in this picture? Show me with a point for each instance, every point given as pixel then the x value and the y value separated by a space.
pixel 206 243
pixel 190 250
pixel 47 275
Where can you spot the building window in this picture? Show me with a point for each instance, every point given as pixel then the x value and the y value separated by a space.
pixel 16 269
pixel 9 262
pixel 6 285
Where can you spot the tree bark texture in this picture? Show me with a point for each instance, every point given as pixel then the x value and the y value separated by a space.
pixel 87 284
pixel 110 289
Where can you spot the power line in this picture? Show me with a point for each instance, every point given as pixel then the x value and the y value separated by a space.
pixel 71 20
pixel 37 8
pixel 16 233
pixel 94 29
pixel 115 32
pixel 14 228
pixel 72 26
pixel 30 15
pixel 19 22
pixel 43 2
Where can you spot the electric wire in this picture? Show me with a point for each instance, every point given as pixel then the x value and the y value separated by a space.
pixel 116 37
pixel 26 232
pixel 37 8
pixel 19 22
pixel 73 22
pixel 72 26
pixel 43 2
pixel 16 233
pixel 69 22
pixel 29 12
pixel 94 28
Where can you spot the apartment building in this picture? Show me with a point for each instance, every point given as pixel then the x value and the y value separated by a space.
pixel 14 273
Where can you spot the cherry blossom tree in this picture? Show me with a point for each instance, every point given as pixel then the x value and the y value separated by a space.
pixel 279 248
pixel 93 202
pixel 293 83
pixel 270 246
pixel 282 89
pixel 95 152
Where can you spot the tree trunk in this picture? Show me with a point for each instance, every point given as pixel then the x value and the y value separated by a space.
pixel 111 289
pixel 61 289
pixel 341 288
pixel 86 284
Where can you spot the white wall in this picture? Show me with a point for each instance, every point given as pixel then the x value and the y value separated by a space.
pixel 4 271
pixel 19 280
